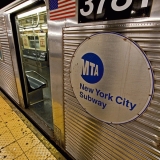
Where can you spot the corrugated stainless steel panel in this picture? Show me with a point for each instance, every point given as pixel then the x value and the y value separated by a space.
pixel 7 81
pixel 88 138
pixel 12 5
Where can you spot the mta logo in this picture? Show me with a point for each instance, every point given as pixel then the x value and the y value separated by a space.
pixel 92 68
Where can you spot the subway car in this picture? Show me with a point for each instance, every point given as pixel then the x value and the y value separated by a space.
pixel 87 73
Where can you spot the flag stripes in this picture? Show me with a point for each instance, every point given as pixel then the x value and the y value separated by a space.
pixel 60 9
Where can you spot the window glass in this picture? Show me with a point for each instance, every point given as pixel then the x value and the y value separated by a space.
pixel 33 31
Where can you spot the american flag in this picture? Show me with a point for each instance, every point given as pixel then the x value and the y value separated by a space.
pixel 60 9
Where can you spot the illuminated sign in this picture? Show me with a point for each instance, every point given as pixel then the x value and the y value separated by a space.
pixel 25 41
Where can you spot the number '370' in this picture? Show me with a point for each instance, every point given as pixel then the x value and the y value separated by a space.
pixel 114 6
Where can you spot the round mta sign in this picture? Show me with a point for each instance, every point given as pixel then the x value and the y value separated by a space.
pixel 111 78
pixel 95 74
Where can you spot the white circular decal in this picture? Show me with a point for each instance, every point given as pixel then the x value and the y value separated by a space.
pixel 111 78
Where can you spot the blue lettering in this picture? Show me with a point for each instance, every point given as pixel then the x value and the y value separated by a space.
pixel 91 90
pixel 117 99
pixel 85 88
pixel 127 101
pixel 81 94
pixel 99 103
pixel 132 107
pixel 95 101
pixel 103 95
pixel 110 97
pixel 89 98
pixel 124 102
pixel 81 86
pixel 104 105
pixel 85 97
pixel 97 91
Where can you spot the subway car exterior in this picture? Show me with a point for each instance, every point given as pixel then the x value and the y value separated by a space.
pixel 87 72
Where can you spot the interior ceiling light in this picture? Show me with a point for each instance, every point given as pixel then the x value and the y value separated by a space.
pixel 37 10
pixel 20 6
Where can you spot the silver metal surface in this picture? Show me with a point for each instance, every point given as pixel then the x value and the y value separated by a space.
pixel 84 137
pixel 14 59
pixel 55 43
pixel 7 80
pixel 56 74
pixel 14 4
pixel 89 138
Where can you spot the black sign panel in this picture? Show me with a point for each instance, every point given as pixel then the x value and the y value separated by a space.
pixel 103 10
pixel 4 3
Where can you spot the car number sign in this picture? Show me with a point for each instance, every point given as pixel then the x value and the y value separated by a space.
pixel 96 10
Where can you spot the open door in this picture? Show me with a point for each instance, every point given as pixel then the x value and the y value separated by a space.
pixel 32 34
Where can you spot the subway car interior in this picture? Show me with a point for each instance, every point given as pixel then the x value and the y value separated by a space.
pixel 86 73
pixel 32 32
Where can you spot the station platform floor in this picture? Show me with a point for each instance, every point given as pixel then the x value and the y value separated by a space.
pixel 19 139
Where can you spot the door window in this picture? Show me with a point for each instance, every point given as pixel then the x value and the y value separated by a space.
pixel 33 31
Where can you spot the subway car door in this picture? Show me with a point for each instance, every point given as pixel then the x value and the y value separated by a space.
pixel 32 31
